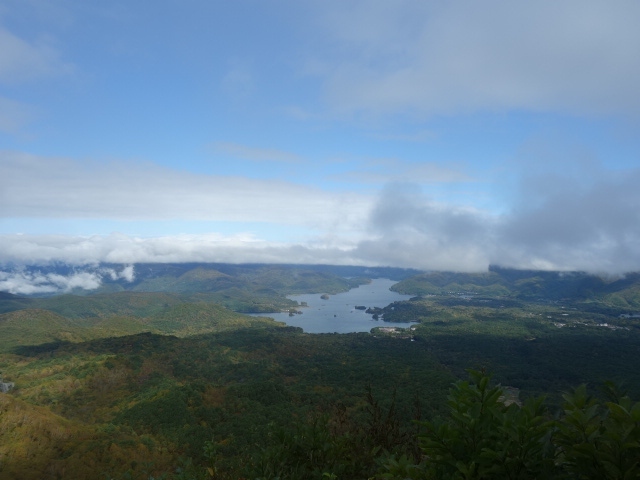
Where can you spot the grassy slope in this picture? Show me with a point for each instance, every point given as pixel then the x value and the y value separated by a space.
pixel 117 314
pixel 106 305
pixel 34 326
pixel 10 302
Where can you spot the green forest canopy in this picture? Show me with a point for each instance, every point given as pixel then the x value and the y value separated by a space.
pixel 175 384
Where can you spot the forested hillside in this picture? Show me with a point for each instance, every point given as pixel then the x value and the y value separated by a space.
pixel 618 292
pixel 173 384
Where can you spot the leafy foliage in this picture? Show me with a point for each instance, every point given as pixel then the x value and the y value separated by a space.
pixel 484 438
pixel 599 441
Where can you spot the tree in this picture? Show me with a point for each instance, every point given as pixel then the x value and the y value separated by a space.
pixel 482 438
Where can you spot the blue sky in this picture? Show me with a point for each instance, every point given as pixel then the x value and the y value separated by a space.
pixel 429 134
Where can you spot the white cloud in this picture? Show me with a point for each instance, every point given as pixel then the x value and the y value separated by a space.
pixel 558 222
pixel 458 57
pixel 558 219
pixel 578 217
pixel 127 273
pixel 40 187
pixel 22 281
pixel 408 229
pixel 590 224
pixel 128 250
pixel 383 171
pixel 29 283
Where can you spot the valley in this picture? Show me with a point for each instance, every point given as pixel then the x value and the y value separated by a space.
pixel 167 377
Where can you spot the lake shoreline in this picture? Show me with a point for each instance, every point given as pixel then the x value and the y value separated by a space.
pixel 323 313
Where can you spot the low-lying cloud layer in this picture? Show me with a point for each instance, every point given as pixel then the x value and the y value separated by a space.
pixel 450 57
pixel 40 187
pixel 578 217
pixel 556 223
pixel 33 282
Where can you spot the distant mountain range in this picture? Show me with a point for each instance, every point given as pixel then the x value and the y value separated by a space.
pixel 173 299
pixel 191 278
pixel 255 288
pixel 188 299
pixel 619 292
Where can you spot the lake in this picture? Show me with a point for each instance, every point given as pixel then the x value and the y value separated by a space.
pixel 338 313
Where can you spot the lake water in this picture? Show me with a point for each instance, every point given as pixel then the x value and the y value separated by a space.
pixel 338 313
